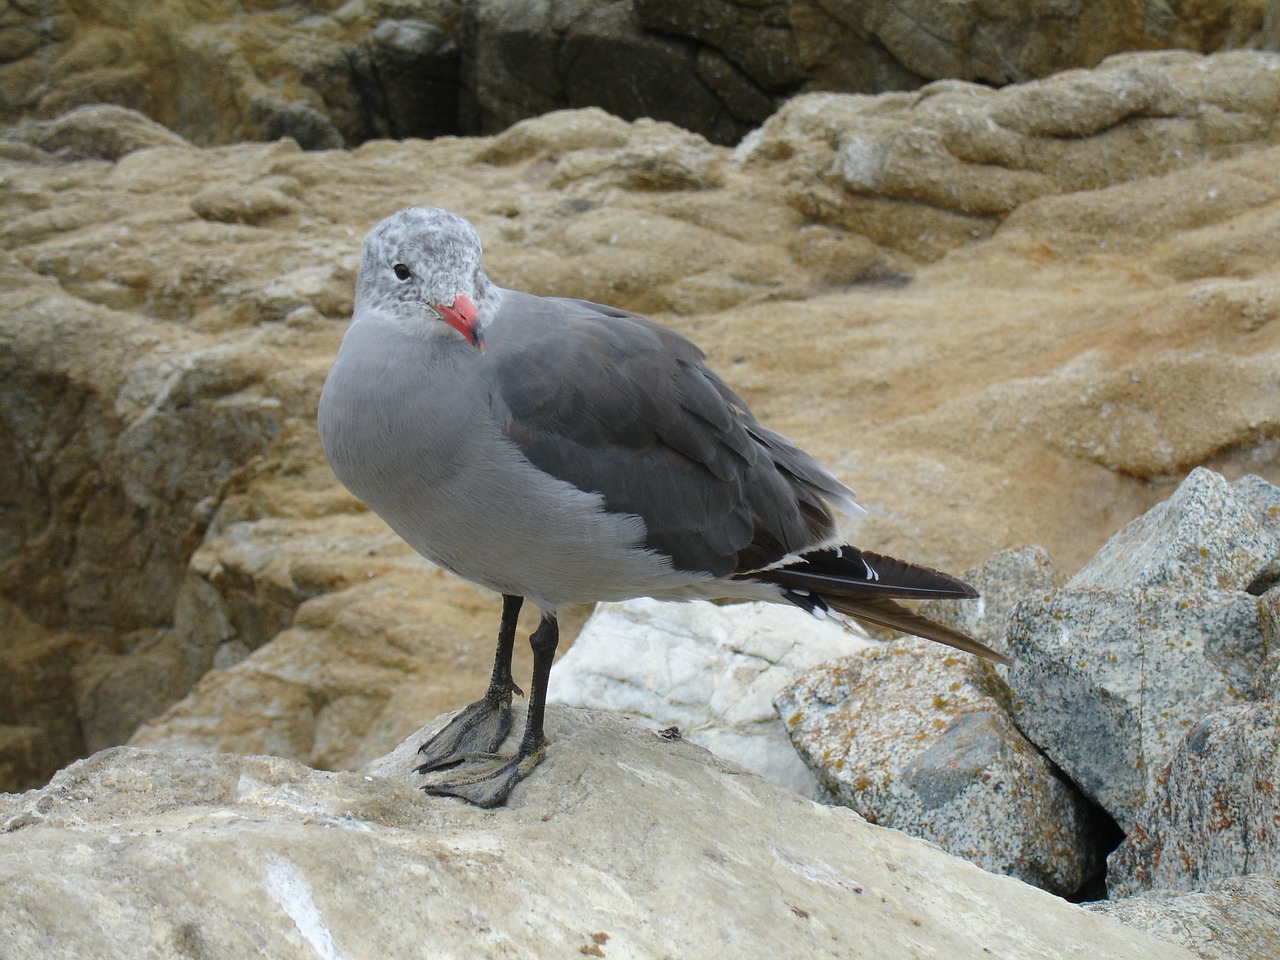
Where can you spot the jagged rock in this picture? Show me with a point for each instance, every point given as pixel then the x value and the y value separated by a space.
pixel 99 131
pixel 1206 536
pixel 1213 813
pixel 1235 919
pixel 1108 681
pixel 331 74
pixel 1152 634
pixel 974 154
pixel 144 853
pixel 916 738
pixel 712 671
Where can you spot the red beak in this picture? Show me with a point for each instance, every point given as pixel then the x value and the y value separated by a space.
pixel 461 315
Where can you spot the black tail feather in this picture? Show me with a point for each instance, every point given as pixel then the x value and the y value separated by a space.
pixel 863 585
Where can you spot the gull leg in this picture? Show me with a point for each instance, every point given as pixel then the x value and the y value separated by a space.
pixel 483 725
pixel 485 779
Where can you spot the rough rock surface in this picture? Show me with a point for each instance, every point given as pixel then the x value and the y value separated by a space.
pixel 916 737
pixel 1107 677
pixel 144 853
pixel 1236 919
pixel 329 73
pixel 1214 812
pixel 167 316
pixel 1209 534
pixel 712 671
pixel 1107 682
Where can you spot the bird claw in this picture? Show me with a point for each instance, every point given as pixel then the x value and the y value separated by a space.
pixel 483 779
pixel 479 729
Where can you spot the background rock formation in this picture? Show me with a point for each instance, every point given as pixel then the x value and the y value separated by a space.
pixel 331 74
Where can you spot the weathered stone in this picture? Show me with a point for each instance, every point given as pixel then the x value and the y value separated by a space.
pixel 1234 919
pixel 1263 500
pixel 1206 536
pixel 916 738
pixel 1213 814
pixel 523 58
pixel 712 671
pixel 974 154
pixel 144 853
pixel 100 131
pixel 1108 681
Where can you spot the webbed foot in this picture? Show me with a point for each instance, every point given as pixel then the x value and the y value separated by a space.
pixel 483 779
pixel 479 729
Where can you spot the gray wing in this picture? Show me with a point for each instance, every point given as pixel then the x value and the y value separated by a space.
pixel 618 405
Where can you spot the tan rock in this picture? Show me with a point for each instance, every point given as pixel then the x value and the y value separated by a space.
pixel 621 844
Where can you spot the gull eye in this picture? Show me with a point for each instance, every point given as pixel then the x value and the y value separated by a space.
pixel 402 272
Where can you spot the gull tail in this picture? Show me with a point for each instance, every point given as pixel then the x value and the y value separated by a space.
pixel 864 586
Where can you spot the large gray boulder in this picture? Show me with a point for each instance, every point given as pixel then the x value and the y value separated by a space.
pixel 622 843
pixel 1152 634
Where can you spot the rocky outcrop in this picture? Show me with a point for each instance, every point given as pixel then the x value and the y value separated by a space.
pixel 623 843
pixel 330 74
pixel 1155 632
pixel 1213 813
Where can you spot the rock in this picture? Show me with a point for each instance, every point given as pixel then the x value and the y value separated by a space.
pixel 1205 536
pixel 99 131
pixel 145 853
pixel 523 58
pixel 1108 681
pixel 1214 810
pixel 711 671
pixel 1234 919
pixel 974 154
pixel 1263 500
pixel 916 738
pixel 335 74
pixel 1266 686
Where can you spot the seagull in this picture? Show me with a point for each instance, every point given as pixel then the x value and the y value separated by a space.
pixel 561 451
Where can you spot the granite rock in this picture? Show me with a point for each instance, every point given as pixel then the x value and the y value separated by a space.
pixel 1108 681
pixel 1214 811
pixel 915 737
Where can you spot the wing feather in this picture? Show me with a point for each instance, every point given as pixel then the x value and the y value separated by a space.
pixel 618 405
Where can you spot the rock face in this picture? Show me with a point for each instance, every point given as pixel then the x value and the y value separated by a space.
pixel 169 312
pixel 712 671
pixel 915 738
pixel 329 73
pixel 144 853
pixel 1214 811
pixel 1236 919
pixel 1155 632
